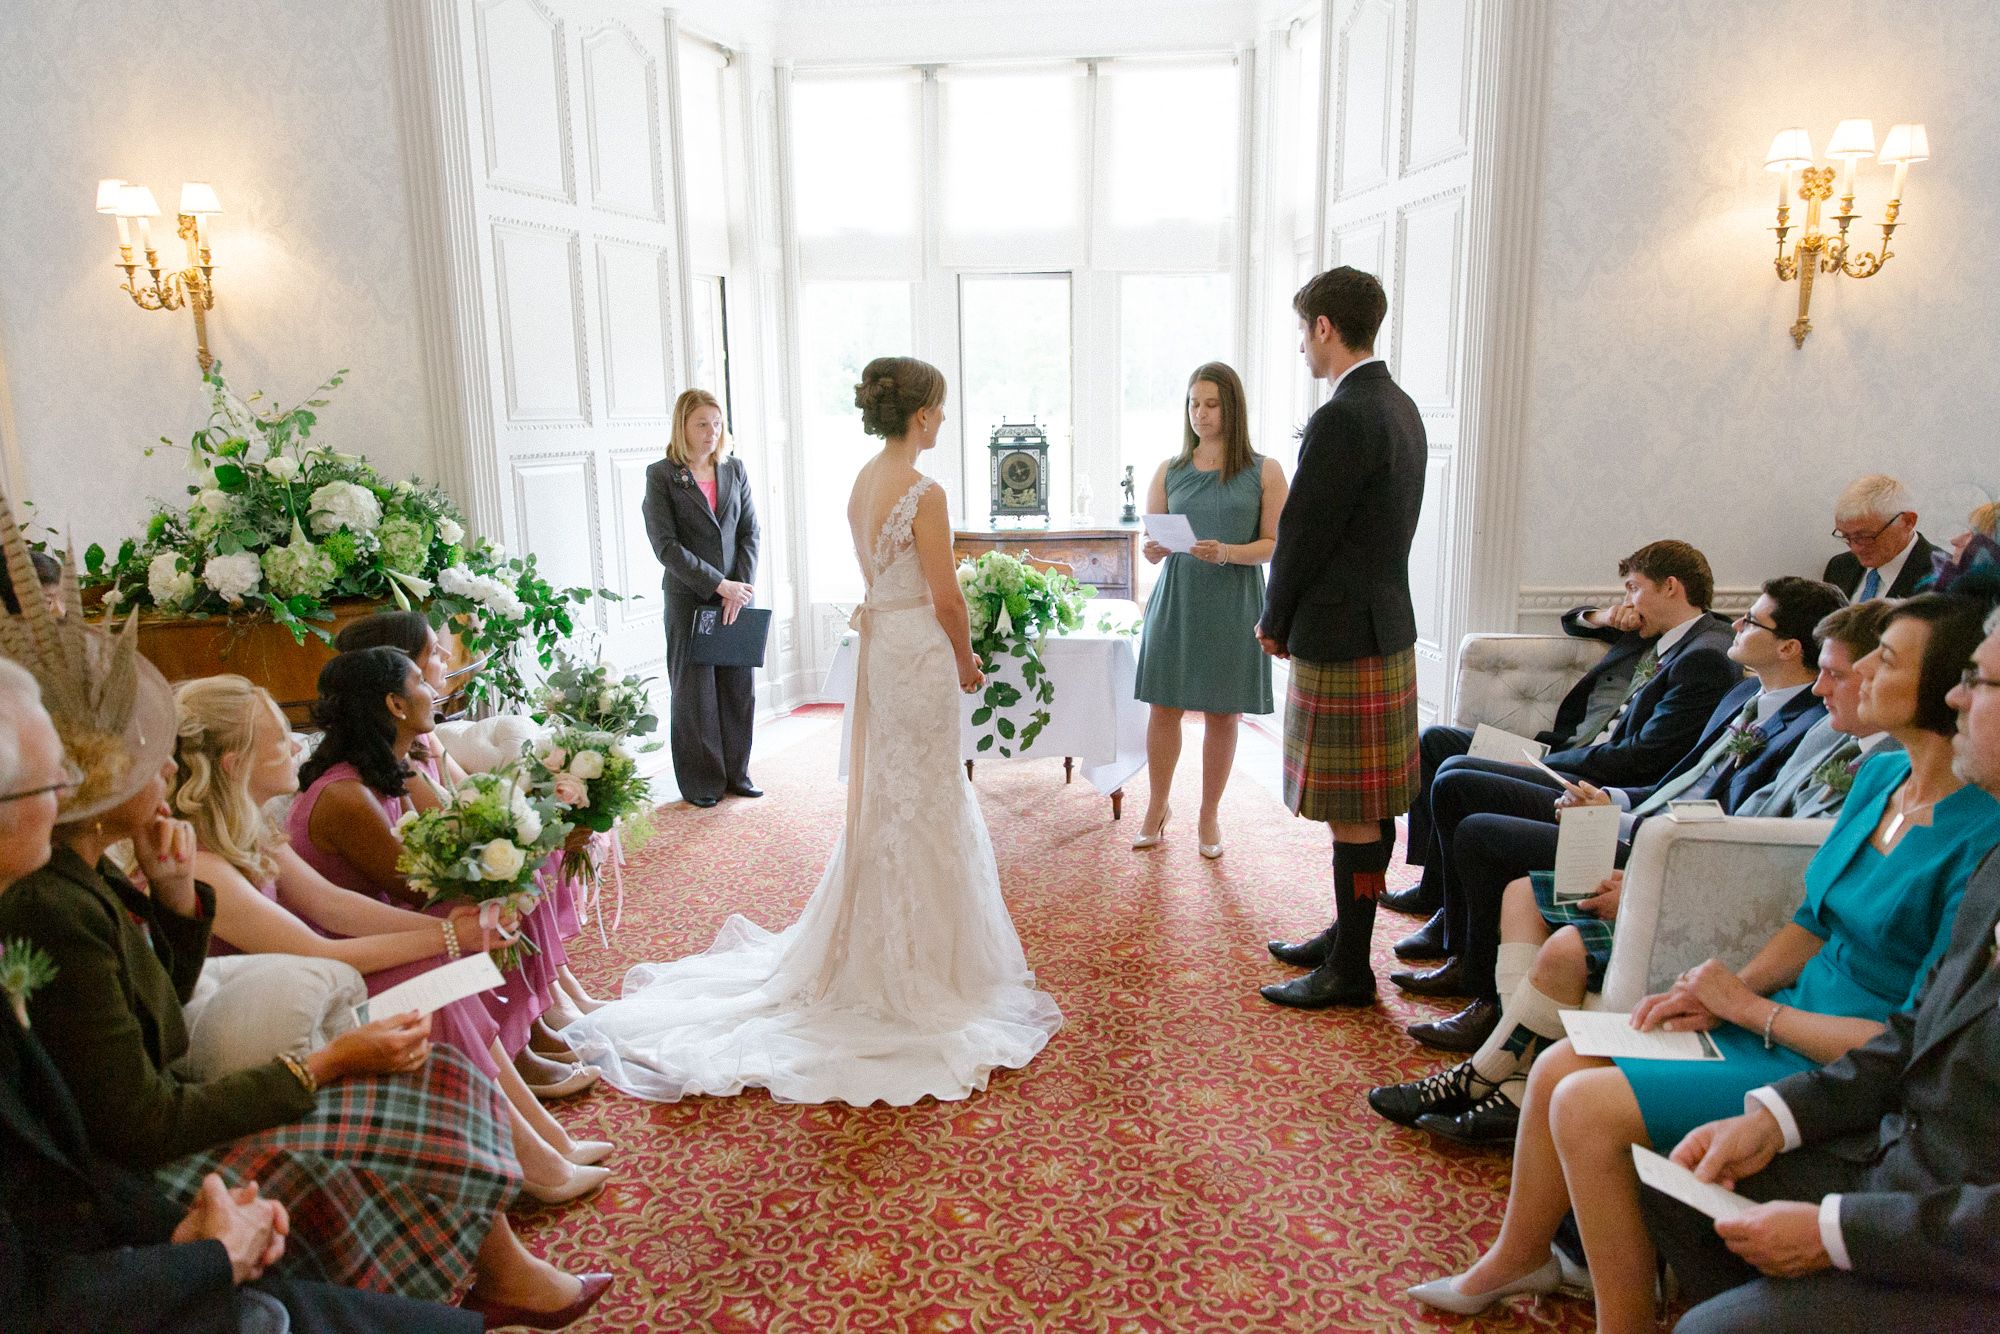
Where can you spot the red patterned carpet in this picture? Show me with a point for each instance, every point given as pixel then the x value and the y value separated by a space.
pixel 1182 1157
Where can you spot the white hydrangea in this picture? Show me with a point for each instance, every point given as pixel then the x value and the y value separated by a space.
pixel 170 585
pixel 346 505
pixel 233 577
pixel 450 532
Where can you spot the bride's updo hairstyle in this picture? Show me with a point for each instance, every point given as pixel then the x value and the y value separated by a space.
pixel 893 390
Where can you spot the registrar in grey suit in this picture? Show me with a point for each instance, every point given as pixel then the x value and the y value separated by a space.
pixel 712 707
pixel 1902 1129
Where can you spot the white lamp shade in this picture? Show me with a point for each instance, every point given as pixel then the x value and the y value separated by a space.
pixel 198 197
pixel 108 193
pixel 1906 143
pixel 136 201
pixel 1791 149
pixel 1852 139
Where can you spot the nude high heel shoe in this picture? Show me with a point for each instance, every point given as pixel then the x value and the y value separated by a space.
pixel 1154 839
pixel 582 1181
pixel 1211 850
pixel 1444 1294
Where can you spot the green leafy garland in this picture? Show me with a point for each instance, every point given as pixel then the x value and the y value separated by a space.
pixel 1011 605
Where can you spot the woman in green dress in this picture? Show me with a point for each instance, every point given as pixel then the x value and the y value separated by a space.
pixel 1200 651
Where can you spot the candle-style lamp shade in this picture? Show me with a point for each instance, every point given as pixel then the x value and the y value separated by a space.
pixel 1852 139
pixel 136 201
pixel 1790 150
pixel 108 193
pixel 198 198
pixel 1906 143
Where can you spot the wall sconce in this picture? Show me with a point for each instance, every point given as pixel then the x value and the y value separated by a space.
pixel 1816 251
pixel 192 286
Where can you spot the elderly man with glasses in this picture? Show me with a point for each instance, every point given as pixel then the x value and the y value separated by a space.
pixel 1886 556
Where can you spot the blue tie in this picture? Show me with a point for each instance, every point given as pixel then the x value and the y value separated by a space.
pixel 1871 584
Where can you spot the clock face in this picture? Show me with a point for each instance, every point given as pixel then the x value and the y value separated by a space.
pixel 1017 472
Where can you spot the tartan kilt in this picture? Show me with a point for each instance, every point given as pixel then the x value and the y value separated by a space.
pixel 392 1181
pixel 1597 933
pixel 1351 738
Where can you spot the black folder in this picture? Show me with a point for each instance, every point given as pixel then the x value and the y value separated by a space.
pixel 738 644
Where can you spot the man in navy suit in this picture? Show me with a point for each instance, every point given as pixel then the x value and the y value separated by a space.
pixel 1886 556
pixel 1747 740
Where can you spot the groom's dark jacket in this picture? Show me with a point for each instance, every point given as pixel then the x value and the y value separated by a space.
pixel 1340 574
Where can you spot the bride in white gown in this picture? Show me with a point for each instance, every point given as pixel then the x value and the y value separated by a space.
pixel 903 977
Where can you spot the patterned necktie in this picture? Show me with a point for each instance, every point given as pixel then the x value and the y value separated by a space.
pixel 1871 585
pixel 1715 762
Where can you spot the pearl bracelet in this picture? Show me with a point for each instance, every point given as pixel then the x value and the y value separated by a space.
pixel 451 946
pixel 1770 1019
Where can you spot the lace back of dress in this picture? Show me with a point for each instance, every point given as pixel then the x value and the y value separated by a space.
pixel 895 573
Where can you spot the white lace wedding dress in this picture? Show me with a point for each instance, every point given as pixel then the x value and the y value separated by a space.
pixel 903 977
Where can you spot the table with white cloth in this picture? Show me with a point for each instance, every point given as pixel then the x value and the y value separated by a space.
pixel 1096 723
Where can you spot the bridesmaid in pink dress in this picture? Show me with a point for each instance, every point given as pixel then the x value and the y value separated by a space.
pixel 564 997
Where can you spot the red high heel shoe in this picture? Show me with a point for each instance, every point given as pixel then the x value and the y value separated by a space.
pixel 499 1315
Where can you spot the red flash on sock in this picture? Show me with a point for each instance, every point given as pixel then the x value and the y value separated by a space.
pixel 1370 884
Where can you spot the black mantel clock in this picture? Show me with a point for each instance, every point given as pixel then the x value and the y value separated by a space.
pixel 1020 465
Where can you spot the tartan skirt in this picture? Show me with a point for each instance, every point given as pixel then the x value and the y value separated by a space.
pixel 392 1181
pixel 1351 738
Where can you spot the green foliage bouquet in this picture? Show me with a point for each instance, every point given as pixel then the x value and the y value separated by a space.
pixel 1012 605
pixel 593 777
pixel 586 695
pixel 482 844
pixel 277 525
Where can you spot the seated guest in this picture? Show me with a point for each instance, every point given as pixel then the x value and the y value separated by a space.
pixel 126 962
pixel 554 921
pixel 1585 711
pixel 48 577
pixel 1880 898
pixel 1974 549
pixel 1546 964
pixel 1886 556
pixel 374 706
pixel 1879 1173
pixel 235 755
pixel 86 1244
pixel 1817 778
pixel 1677 684
pixel 1747 740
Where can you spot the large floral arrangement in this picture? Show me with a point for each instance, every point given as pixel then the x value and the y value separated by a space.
pixel 482 844
pixel 278 526
pixel 1012 605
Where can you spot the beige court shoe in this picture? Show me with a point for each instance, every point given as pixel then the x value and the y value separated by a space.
pixel 1154 839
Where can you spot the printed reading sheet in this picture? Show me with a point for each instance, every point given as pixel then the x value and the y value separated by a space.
pixel 1172 531
pixel 1597 1033
pixel 434 990
pixel 1497 743
pixel 1586 850
pixel 1671 1179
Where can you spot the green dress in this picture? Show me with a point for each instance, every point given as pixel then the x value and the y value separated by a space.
pixel 1200 651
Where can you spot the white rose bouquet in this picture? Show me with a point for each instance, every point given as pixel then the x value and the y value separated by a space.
pixel 482 845
pixel 593 778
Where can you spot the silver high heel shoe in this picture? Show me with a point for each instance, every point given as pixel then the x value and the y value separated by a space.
pixel 1212 851
pixel 1444 1294
pixel 1153 839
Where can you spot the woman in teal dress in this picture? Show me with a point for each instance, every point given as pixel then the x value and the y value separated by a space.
pixel 1881 895
pixel 1200 651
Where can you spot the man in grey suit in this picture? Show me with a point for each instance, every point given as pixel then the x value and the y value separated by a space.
pixel 1879 1175
pixel 1813 783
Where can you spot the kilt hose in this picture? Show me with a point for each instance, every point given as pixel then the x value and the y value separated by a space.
pixel 392 1181
pixel 1351 738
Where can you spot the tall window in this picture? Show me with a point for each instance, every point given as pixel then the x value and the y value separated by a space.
pixel 1014 343
pixel 1168 324
pixel 844 325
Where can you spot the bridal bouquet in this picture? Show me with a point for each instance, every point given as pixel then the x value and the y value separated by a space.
pixel 593 778
pixel 585 695
pixel 482 844
pixel 1012 605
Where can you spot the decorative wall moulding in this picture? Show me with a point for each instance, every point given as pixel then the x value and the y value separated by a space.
pixel 1545 601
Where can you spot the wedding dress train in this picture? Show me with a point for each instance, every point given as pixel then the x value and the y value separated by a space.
pixel 903 977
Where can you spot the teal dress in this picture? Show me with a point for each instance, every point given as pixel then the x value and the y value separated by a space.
pixel 1200 651
pixel 1885 920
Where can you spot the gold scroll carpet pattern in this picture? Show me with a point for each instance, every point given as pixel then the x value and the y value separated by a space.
pixel 1182 1157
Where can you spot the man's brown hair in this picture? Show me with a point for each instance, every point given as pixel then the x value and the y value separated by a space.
pixel 1668 559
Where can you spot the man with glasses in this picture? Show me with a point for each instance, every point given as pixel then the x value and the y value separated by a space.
pixel 1885 555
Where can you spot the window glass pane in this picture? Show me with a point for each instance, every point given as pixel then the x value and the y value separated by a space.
pixel 1302 124
pixel 844 131
pixel 1168 324
pixel 708 341
pixel 1014 347
pixel 843 326
pixel 1172 143
pixel 707 191
pixel 1010 146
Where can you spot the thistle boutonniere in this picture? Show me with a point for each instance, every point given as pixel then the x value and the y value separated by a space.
pixel 1744 742
pixel 1837 776
pixel 24 970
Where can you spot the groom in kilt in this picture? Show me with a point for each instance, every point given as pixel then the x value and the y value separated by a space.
pixel 1338 607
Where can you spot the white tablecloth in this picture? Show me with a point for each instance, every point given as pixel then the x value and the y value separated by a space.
pixel 1095 717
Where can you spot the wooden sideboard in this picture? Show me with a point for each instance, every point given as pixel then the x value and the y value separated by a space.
pixel 1105 558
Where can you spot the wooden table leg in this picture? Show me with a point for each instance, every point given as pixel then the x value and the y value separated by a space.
pixel 1118 804
pixel 1069 767
pixel 968 771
